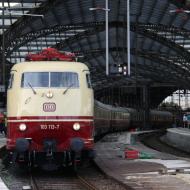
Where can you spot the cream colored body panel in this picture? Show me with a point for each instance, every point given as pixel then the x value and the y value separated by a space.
pixel 75 102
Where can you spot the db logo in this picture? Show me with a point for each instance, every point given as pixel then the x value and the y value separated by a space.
pixel 49 107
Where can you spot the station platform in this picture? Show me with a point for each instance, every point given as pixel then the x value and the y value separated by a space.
pixel 179 138
pixel 2 140
pixel 155 173
pixel 2 143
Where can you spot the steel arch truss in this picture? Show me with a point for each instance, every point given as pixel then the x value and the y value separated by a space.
pixel 157 33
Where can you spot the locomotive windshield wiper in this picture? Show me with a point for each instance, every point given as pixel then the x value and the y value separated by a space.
pixel 32 88
pixel 68 88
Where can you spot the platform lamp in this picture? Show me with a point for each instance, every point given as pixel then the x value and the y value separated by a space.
pixel 106 9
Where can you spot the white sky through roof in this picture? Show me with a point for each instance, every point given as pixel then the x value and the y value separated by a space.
pixel 11 4
pixel 11 16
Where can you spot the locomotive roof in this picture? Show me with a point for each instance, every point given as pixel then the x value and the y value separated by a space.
pixel 47 65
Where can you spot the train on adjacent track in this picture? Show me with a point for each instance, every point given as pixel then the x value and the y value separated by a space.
pixel 53 118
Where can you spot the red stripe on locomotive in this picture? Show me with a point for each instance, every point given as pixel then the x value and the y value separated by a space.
pixel 49 117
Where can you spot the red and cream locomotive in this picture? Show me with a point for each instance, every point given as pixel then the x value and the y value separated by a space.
pixel 50 112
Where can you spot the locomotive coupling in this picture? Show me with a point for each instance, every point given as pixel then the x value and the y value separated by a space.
pixel 49 147
pixel 77 144
pixel 22 145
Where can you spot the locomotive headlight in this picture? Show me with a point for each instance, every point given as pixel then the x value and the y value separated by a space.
pixel 76 126
pixel 22 127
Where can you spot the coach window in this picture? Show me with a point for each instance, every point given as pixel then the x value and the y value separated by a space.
pixel 64 79
pixel 11 78
pixel 89 84
pixel 35 79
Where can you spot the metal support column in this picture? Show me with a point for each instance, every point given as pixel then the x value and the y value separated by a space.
pixel 128 39
pixel 146 107
pixel 107 39
pixel 3 46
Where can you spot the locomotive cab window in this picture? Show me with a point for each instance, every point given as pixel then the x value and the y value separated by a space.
pixel 64 79
pixel 11 78
pixel 35 79
pixel 50 79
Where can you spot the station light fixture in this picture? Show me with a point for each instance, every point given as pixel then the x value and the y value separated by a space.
pixel 123 69
pixel 106 9
pixel 23 14
pixel 120 68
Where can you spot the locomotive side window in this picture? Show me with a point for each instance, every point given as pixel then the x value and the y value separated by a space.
pixel 64 79
pixel 35 79
pixel 11 81
pixel 89 84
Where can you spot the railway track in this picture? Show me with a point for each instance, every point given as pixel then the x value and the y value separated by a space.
pixel 90 178
pixel 67 183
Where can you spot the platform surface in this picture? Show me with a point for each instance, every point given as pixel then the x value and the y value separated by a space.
pixel 2 185
pixel 142 174
pixel 2 143
pixel 178 138
pixel 180 130
pixel 2 140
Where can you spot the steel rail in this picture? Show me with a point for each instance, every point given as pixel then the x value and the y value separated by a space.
pixel 33 183
pixel 86 184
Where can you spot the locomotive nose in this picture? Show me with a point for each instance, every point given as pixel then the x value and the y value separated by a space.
pixel 77 144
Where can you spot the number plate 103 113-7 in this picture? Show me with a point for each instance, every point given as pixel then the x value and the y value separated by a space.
pixel 49 127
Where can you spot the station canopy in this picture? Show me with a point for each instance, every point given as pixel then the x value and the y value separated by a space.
pixel 159 30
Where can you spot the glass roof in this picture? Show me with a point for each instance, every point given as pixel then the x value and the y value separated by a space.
pixel 159 38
